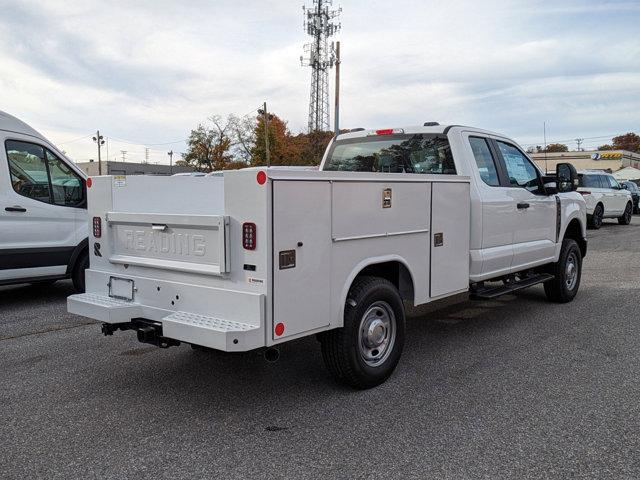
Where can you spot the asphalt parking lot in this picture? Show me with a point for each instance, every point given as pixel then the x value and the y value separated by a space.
pixel 513 388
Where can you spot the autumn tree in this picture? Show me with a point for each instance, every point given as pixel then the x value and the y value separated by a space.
pixel 606 147
pixel 556 147
pixel 629 141
pixel 210 146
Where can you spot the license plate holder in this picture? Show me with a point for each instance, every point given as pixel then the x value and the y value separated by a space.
pixel 121 288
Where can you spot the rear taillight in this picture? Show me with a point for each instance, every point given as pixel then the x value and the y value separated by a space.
pixel 249 236
pixel 584 193
pixel 97 227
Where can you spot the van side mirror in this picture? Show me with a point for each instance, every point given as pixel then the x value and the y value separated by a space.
pixel 566 178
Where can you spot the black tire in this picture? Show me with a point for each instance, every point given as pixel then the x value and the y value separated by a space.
pixel 352 353
pixel 625 219
pixel 564 287
pixel 82 263
pixel 595 221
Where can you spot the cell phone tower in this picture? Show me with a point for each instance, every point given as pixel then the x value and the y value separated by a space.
pixel 318 23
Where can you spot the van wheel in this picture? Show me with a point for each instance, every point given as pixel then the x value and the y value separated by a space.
pixel 595 220
pixel 365 351
pixel 625 219
pixel 82 263
pixel 567 270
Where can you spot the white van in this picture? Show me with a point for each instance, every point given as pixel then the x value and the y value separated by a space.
pixel 43 209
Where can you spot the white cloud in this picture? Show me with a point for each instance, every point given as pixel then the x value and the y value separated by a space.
pixel 150 71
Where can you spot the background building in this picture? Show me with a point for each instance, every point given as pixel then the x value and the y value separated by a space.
pixel 131 168
pixel 611 160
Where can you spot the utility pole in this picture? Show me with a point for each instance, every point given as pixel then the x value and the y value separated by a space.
pixel 337 106
pixel 544 133
pixel 170 153
pixel 124 154
pixel 265 117
pixel 146 155
pixel 318 24
pixel 100 141
pixel 579 142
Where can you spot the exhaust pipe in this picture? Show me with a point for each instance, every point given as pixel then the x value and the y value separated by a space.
pixel 272 354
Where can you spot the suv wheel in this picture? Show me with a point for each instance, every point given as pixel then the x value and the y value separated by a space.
pixel 567 270
pixel 365 351
pixel 625 219
pixel 595 220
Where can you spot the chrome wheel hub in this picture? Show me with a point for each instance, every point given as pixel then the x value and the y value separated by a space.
pixel 377 333
pixel 571 271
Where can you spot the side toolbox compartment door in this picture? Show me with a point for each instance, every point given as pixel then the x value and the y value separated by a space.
pixel 450 210
pixel 301 256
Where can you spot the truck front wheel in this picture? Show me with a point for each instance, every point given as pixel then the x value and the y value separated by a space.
pixel 365 351
pixel 567 271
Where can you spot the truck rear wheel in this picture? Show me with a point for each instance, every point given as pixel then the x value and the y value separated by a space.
pixel 567 270
pixel 365 351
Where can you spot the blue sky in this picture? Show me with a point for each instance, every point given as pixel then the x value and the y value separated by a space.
pixel 149 71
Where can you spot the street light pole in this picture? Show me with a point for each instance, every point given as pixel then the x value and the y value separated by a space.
pixel 100 141
pixel 170 153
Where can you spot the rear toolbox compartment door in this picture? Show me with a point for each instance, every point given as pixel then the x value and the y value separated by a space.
pixel 186 243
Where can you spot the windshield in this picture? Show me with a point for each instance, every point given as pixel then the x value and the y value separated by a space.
pixel 418 153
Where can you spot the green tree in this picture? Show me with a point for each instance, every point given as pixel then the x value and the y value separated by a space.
pixel 629 141
pixel 556 147
pixel 208 146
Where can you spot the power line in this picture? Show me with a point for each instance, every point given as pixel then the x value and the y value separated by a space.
pixel 74 140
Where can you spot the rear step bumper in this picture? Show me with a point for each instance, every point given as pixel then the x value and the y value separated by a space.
pixel 208 331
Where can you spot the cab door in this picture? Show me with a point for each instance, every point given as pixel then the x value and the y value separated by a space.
pixel 533 213
pixel 41 200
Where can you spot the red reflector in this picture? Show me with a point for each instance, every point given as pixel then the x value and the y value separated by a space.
pixel 279 329
pixel 89 182
pixel 261 177
pixel 386 131
pixel 97 227
pixel 249 236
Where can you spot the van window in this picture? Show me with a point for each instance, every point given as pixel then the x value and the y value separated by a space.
pixel 66 185
pixel 484 161
pixel 419 153
pixel 520 170
pixel 39 174
pixel 28 170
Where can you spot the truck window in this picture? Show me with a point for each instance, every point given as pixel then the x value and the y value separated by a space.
pixel 418 153
pixel 520 170
pixel 484 161
pixel 28 170
pixel 66 185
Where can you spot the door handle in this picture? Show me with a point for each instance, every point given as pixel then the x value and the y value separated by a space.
pixel 523 205
pixel 15 209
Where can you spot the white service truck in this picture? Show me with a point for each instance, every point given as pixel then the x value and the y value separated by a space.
pixel 257 257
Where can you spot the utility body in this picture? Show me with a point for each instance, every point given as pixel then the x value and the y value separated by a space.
pixel 257 257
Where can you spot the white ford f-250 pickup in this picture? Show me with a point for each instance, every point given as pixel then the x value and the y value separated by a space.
pixel 253 258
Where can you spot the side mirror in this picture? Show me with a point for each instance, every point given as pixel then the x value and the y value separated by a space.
pixel 623 187
pixel 566 178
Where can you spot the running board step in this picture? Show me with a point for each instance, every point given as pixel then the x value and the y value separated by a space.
pixel 484 293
